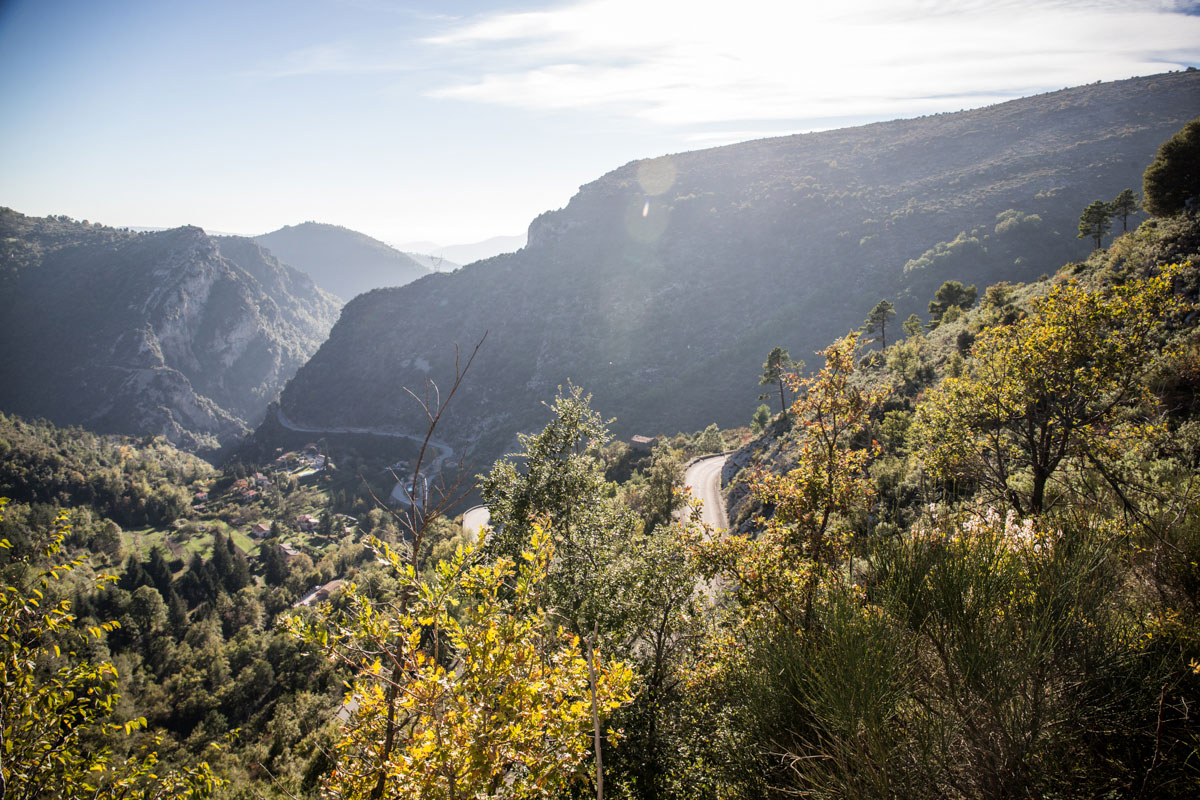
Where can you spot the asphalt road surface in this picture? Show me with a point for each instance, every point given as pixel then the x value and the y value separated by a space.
pixel 475 519
pixel 703 477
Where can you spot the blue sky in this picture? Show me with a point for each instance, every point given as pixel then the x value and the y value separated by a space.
pixel 458 121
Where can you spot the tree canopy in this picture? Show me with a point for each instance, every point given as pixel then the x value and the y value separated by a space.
pixel 1124 205
pixel 877 321
pixel 1095 222
pixel 951 294
pixel 489 693
pixel 58 712
pixel 1173 178
pixel 777 365
pixel 1046 391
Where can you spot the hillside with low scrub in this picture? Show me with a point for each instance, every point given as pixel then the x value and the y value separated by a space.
pixel 662 284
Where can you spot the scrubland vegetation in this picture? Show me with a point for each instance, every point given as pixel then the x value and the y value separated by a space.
pixel 964 564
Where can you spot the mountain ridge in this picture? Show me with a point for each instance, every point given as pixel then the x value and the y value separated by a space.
pixel 175 333
pixel 672 277
pixel 340 260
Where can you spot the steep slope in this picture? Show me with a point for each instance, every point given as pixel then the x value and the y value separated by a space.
pixel 342 261
pixel 173 333
pixel 662 285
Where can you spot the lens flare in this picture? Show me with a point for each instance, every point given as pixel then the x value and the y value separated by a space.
pixel 657 175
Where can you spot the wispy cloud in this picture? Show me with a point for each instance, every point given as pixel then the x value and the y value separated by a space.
pixel 673 62
pixel 341 57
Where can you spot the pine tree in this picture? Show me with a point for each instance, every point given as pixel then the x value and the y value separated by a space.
pixel 135 575
pixel 778 364
pixel 877 321
pixel 158 570
pixel 951 294
pixel 1095 222
pixel 177 614
pixel 913 326
pixel 1126 203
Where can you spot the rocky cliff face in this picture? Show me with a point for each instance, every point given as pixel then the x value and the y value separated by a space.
pixel 662 285
pixel 172 333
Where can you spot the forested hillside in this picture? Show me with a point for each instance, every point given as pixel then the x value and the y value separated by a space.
pixel 662 285
pixel 963 563
pixel 922 599
pixel 173 333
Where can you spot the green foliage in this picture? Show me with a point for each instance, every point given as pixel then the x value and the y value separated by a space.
pixel 951 294
pixel 783 568
pixel 1012 221
pixel 762 415
pixel 711 441
pixel 1046 392
pixel 1095 222
pixel 133 483
pixel 948 257
pixel 877 321
pixel 913 326
pixel 1016 647
pixel 1173 178
pixel 775 370
pixel 491 697
pixel 908 364
pixel 1125 204
pixel 663 497
pixel 57 709
pixel 561 475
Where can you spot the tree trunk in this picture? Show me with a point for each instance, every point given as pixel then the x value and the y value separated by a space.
pixel 591 648
pixel 1038 498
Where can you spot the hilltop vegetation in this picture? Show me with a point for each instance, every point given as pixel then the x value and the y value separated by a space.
pixel 670 278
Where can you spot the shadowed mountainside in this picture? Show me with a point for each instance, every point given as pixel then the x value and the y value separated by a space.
pixel 174 333
pixel 662 285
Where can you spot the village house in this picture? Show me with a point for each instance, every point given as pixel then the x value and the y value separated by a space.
pixel 260 530
pixel 643 443
pixel 307 522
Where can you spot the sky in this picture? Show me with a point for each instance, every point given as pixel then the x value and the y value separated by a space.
pixel 457 121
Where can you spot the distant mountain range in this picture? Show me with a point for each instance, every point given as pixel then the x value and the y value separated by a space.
pixel 171 333
pixel 662 285
pixel 465 253
pixel 344 262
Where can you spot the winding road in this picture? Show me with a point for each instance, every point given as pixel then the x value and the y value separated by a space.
pixel 399 494
pixel 703 478
pixel 475 519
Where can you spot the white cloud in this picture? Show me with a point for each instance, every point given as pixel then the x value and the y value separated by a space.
pixel 342 57
pixel 671 62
